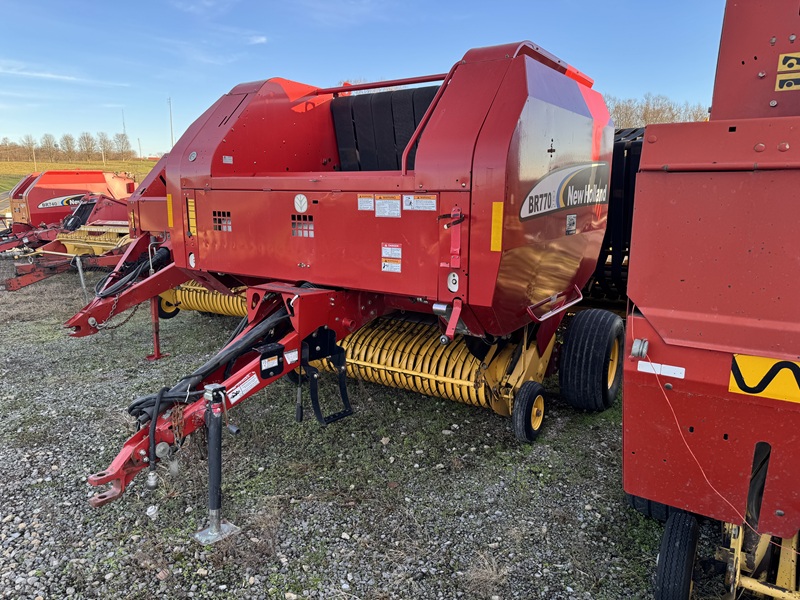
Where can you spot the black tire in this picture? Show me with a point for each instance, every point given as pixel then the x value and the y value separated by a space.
pixel 527 414
pixel 649 508
pixel 166 309
pixel 590 370
pixel 676 557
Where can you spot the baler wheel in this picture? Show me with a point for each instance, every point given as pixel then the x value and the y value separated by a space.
pixel 166 309
pixel 590 374
pixel 676 557
pixel 650 508
pixel 527 413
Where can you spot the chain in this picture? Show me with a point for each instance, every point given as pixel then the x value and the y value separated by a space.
pixel 105 325
pixel 177 422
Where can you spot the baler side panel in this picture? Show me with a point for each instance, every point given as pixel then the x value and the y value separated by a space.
pixel 445 153
pixel 188 165
pixel 721 429
pixel 540 123
pixel 758 72
pixel 738 294
pixel 331 243
pixel 284 128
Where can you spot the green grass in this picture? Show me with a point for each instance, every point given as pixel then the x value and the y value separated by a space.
pixel 12 172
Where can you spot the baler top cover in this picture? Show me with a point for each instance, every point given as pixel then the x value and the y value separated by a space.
pixel 489 190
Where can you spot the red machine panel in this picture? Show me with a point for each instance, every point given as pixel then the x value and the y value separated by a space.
pixel 417 193
pixel 689 442
pixel 713 253
pixel 758 72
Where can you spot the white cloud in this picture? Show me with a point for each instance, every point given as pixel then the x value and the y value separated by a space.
pixel 257 39
pixel 17 69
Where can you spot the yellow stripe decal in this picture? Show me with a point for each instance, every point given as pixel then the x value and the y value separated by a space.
pixel 497 226
pixel 170 222
pixel 765 377
pixel 192 215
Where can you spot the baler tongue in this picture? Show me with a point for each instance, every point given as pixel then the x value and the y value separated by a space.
pixel 288 327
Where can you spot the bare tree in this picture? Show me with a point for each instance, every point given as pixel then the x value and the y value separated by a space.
pixel 29 143
pixel 123 145
pixel 630 112
pixel 49 147
pixel 87 145
pixel 105 145
pixel 68 146
pixel 7 148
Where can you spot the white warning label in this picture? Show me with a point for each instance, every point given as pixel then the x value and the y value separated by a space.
pixel 290 356
pixel 391 265
pixel 269 363
pixel 366 202
pixel 419 202
pixel 387 206
pixel 391 250
pixel 245 385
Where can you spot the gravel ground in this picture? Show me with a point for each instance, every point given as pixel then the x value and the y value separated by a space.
pixel 411 497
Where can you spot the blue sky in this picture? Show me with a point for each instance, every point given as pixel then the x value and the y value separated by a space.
pixel 73 66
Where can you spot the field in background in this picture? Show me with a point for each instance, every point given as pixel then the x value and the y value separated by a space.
pixel 12 172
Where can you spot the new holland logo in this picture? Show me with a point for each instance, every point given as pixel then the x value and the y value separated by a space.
pixel 765 377
pixel 73 200
pixel 570 187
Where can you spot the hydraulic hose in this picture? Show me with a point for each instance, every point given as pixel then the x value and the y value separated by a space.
pixel 160 259
pixel 147 407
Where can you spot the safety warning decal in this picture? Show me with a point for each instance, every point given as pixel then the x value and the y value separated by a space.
pixel 366 202
pixel 269 363
pixel 290 356
pixel 765 377
pixel 788 77
pixel 387 205
pixel 391 258
pixel 419 202
pixel 789 62
pixel 570 187
pixel 245 385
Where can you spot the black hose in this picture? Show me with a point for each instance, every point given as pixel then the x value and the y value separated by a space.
pixel 153 422
pixel 160 258
pixel 239 329
pixel 146 407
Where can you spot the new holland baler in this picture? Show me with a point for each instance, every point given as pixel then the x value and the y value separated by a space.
pixel 444 230
pixel 41 201
pixel 711 410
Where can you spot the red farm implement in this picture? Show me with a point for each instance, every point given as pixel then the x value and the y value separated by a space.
pixel 431 236
pixel 41 201
pixel 712 382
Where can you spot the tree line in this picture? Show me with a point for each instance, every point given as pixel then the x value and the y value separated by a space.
pixel 626 112
pixel 632 112
pixel 68 148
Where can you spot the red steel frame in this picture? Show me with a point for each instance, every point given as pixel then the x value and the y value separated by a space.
pixel 713 257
